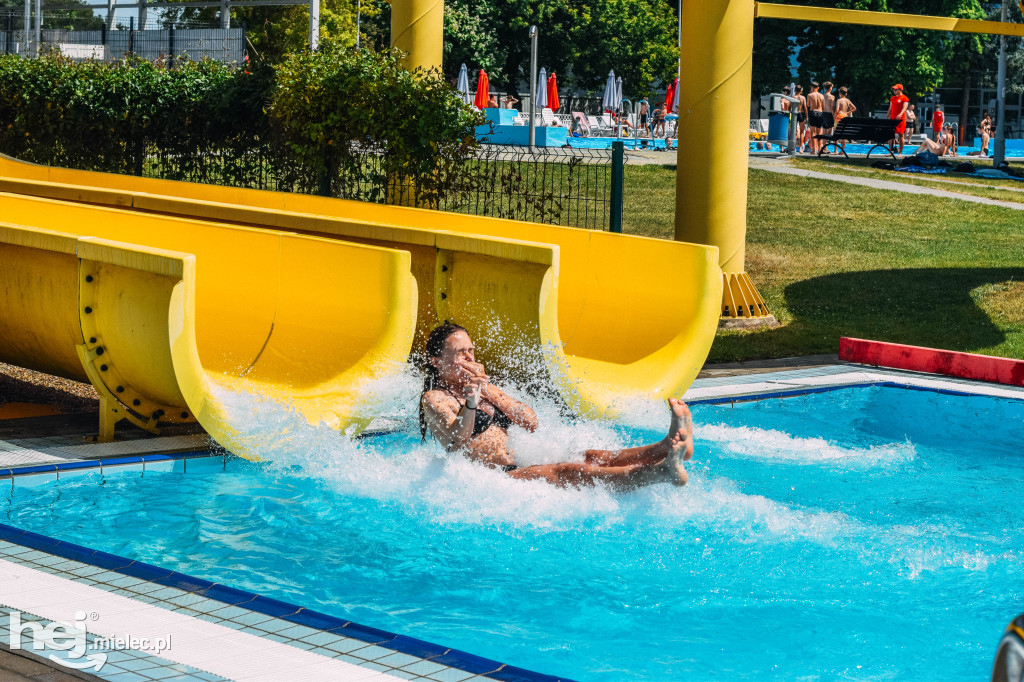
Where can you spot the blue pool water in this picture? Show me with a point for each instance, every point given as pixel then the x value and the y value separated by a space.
pixel 866 533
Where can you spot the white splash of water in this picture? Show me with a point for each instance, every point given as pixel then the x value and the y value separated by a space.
pixel 772 446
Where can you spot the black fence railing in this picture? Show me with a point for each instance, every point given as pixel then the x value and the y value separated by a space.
pixel 554 185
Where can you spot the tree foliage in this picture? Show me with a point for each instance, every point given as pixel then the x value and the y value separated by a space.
pixel 333 105
pixel 870 59
pixel 317 112
pixel 581 40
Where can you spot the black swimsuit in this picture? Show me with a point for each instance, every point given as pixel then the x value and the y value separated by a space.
pixel 483 421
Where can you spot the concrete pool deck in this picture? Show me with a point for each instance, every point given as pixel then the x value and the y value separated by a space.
pixel 217 632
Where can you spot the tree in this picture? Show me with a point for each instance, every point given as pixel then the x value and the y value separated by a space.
pixel 580 40
pixel 773 49
pixel 871 59
pixel 277 31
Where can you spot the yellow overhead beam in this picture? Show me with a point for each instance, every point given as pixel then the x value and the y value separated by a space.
pixel 769 10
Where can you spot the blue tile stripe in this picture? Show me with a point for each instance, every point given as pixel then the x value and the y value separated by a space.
pixel 751 397
pixel 101 463
pixel 435 653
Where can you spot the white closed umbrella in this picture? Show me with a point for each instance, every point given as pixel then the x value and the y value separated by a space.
pixel 610 101
pixel 542 88
pixel 463 85
pixel 618 92
pixel 675 99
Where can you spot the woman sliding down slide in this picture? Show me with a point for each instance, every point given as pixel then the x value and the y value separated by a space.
pixel 465 412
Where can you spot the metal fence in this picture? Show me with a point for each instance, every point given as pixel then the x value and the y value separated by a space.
pixel 558 186
pixel 84 38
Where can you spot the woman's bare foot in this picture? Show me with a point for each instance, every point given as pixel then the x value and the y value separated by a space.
pixel 679 441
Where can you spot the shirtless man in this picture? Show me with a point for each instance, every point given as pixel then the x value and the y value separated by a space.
pixel 469 415
pixel 844 108
pixel 815 116
pixel 830 108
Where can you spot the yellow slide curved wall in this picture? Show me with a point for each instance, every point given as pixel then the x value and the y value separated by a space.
pixel 616 315
pixel 298 319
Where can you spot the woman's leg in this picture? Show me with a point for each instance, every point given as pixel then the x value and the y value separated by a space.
pixel 578 474
pixel 680 427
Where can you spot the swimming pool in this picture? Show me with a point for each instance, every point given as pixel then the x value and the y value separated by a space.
pixel 865 532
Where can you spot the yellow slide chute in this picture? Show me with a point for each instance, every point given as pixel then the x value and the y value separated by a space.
pixel 171 315
pixel 616 315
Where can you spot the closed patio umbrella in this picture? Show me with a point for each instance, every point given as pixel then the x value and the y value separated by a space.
pixel 609 102
pixel 553 102
pixel 618 92
pixel 482 90
pixel 542 88
pixel 675 98
pixel 670 96
pixel 463 85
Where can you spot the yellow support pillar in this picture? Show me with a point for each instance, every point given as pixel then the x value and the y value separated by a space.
pixel 417 29
pixel 711 183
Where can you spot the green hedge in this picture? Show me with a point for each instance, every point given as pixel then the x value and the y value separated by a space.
pixel 314 117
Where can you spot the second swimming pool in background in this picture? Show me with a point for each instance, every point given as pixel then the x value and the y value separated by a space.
pixel 869 533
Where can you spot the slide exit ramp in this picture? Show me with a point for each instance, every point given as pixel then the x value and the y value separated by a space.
pixel 171 320
pixel 630 316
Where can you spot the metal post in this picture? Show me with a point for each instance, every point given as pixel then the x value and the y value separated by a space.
pixel 359 16
pixel 103 34
pixel 225 14
pixel 533 87
pixel 314 24
pixel 170 46
pixel 39 27
pixel 10 33
pixel 110 13
pixel 131 35
pixel 618 159
pixel 142 15
pixel 25 27
pixel 999 149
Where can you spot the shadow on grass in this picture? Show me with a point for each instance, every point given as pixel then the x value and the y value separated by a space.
pixel 922 307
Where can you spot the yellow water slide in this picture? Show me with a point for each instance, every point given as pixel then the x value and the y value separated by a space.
pixel 616 315
pixel 169 318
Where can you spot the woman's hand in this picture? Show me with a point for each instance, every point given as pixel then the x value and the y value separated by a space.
pixel 473 369
pixel 471 392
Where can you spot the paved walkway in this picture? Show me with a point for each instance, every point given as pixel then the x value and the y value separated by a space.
pixel 782 166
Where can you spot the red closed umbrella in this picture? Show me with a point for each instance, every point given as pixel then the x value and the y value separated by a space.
pixel 670 95
pixel 482 93
pixel 553 103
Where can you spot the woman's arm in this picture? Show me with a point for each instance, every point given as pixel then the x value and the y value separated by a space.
pixel 520 413
pixel 453 429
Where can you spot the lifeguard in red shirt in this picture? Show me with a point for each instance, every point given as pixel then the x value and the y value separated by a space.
pixel 898 105
pixel 938 118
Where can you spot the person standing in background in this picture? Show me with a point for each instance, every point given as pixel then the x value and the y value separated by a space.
pixel 938 119
pixel 844 108
pixel 911 124
pixel 801 117
pixel 815 117
pixel 898 104
pixel 830 109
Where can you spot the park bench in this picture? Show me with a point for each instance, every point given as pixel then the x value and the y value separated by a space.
pixel 880 132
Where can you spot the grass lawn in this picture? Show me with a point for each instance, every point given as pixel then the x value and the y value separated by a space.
pixel 962 183
pixel 834 260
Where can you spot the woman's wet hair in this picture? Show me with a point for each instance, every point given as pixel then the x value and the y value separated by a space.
pixel 435 346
